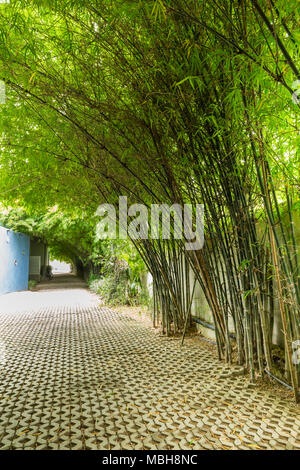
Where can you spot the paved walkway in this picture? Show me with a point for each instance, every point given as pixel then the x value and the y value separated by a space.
pixel 74 375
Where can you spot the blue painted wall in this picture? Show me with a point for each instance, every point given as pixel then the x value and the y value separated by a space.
pixel 14 261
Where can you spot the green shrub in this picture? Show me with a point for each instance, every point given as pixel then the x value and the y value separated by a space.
pixel 32 284
pixel 112 292
pixel 118 290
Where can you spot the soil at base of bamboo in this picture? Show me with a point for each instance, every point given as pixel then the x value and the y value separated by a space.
pixel 143 315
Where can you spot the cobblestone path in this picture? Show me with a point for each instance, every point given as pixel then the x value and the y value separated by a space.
pixel 74 375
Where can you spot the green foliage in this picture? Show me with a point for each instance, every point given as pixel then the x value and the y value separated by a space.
pixel 31 284
pixel 111 292
pixel 120 280
pixel 119 292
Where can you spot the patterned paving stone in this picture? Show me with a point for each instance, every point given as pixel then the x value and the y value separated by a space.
pixel 78 376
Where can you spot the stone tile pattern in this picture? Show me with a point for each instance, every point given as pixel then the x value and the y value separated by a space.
pixel 91 378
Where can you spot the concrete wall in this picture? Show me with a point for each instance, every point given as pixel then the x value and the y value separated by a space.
pixel 201 310
pixel 14 261
pixel 38 248
pixel 147 282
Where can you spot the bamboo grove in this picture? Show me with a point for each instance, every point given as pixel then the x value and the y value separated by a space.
pixel 175 102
